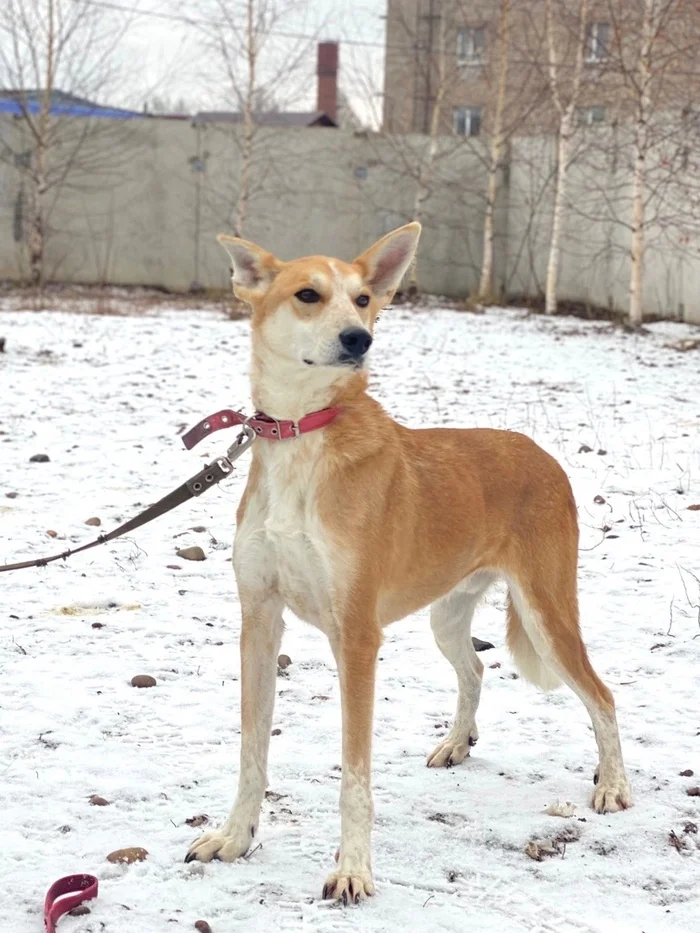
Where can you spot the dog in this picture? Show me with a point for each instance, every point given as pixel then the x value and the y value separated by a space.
pixel 353 522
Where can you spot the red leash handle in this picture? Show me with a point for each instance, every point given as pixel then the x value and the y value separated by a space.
pixel 72 890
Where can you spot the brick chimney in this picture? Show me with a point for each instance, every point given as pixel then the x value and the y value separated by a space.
pixel 327 71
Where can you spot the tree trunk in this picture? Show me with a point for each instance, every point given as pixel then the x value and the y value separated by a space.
pixel 421 194
pixel 243 197
pixel 495 157
pixel 550 305
pixel 641 140
pixel 566 111
pixel 636 311
pixel 425 169
pixel 486 279
pixel 37 231
pixel 36 238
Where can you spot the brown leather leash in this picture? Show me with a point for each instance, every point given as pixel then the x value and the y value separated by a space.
pixel 210 476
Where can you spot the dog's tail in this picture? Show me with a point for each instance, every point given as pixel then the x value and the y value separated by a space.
pixel 530 663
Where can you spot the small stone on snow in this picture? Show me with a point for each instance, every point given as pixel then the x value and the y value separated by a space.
pixel 128 856
pixel 480 645
pixel 198 820
pixel 191 553
pixel 143 680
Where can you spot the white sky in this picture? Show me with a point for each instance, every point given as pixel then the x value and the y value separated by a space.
pixel 168 60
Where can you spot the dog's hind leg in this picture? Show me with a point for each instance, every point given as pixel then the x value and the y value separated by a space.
pixel 450 620
pixel 544 637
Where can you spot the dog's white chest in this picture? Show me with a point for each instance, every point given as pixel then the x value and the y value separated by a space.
pixel 281 541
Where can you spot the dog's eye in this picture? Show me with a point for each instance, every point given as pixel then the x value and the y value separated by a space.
pixel 362 301
pixel 308 295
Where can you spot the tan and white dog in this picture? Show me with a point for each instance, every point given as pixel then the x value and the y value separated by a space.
pixel 362 522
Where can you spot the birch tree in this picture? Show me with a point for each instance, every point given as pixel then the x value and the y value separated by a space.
pixel 455 55
pixel 422 45
pixel 564 90
pixel 265 66
pixel 655 48
pixel 426 164
pixel 642 84
pixel 46 46
pixel 496 151
pixel 515 101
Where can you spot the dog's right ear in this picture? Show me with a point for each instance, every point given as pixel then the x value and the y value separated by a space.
pixel 253 268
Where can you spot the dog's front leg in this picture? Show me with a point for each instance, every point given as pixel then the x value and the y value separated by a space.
pixel 356 651
pixel 261 635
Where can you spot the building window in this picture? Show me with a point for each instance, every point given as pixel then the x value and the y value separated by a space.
pixel 467 121
pixel 470 45
pixel 588 116
pixel 597 42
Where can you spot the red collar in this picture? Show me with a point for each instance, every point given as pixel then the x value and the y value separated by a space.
pixel 262 424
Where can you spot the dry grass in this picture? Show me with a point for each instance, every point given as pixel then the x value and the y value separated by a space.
pixel 114 301
pixel 583 310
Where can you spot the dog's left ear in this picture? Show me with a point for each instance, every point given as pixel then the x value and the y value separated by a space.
pixel 384 264
pixel 254 269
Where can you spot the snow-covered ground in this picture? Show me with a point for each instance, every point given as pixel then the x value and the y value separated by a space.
pixel 105 398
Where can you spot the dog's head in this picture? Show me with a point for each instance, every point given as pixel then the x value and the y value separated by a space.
pixel 317 312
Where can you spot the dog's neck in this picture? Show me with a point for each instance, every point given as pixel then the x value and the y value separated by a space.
pixel 285 389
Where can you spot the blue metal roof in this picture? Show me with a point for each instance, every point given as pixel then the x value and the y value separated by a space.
pixel 61 105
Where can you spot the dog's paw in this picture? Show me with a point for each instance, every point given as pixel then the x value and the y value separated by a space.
pixel 226 847
pixel 611 795
pixel 350 887
pixel 453 750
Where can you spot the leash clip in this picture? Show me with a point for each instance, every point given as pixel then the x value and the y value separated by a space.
pixel 222 467
pixel 242 442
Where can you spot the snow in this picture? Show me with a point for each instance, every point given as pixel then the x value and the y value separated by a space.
pixel 105 397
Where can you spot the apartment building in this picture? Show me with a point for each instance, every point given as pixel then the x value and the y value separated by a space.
pixel 447 57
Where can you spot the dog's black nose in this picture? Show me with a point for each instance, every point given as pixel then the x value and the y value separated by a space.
pixel 356 341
